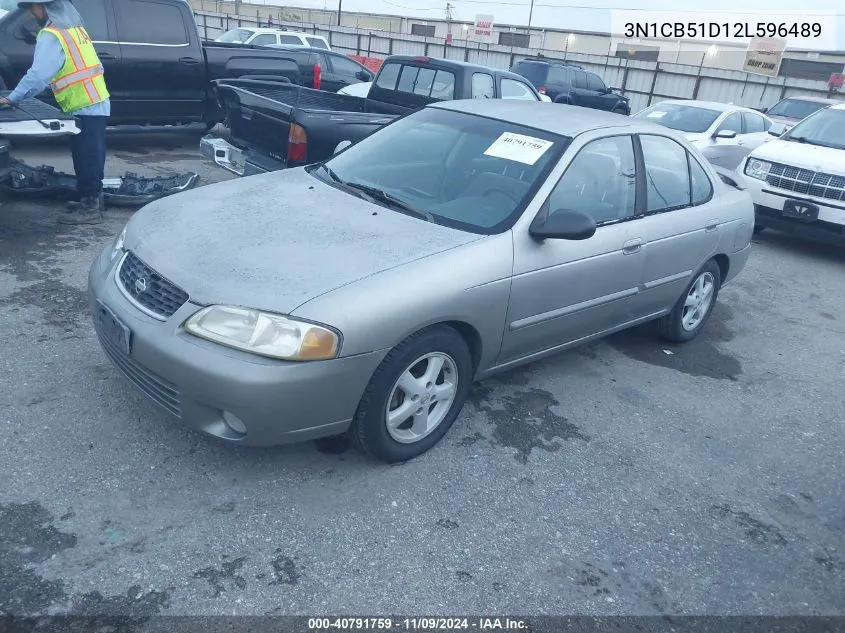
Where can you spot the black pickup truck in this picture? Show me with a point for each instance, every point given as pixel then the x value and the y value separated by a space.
pixel 158 70
pixel 283 125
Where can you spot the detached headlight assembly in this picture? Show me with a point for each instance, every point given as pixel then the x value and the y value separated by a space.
pixel 757 168
pixel 117 247
pixel 264 333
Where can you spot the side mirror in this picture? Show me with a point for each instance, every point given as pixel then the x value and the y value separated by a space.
pixel 725 134
pixel 342 146
pixel 363 75
pixel 777 129
pixel 563 225
pixel 764 110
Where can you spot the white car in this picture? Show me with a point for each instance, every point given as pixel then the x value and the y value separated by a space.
pixel 724 133
pixel 361 89
pixel 797 181
pixel 273 37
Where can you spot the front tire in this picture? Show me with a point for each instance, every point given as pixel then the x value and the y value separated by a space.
pixel 694 307
pixel 414 396
pixel 758 228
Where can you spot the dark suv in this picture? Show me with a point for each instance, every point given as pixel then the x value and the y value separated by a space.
pixel 568 83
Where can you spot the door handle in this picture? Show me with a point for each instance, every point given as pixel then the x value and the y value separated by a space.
pixel 711 226
pixel 632 246
pixel 104 55
pixel 189 60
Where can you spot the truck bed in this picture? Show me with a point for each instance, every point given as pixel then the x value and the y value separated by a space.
pixel 260 114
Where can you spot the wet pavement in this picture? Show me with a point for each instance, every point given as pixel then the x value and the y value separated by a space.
pixel 624 477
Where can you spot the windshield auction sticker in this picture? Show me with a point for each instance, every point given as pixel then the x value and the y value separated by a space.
pixel 519 148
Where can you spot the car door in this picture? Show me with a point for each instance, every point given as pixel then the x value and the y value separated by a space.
pixel 682 222
pixel 598 95
pixel 563 291
pixel 483 86
pixel 581 96
pixel 345 72
pixel 725 152
pixel 559 82
pixel 162 71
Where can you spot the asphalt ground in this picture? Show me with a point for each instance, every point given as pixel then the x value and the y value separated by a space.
pixel 625 477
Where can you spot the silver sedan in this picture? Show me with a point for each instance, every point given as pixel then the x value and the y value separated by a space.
pixel 367 293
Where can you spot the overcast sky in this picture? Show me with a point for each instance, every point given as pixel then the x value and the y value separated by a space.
pixel 591 15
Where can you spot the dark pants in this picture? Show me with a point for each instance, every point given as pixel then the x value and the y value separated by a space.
pixel 89 155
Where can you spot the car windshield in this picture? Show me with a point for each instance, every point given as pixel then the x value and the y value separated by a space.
pixel 236 36
pixel 681 117
pixel 535 72
pixel 468 172
pixel 825 128
pixel 795 108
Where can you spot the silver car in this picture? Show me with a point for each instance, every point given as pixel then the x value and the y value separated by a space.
pixel 367 293
pixel 724 133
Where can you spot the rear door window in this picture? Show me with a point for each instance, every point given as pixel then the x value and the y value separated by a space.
pixel 134 18
pixel 265 39
pixel 594 83
pixel 290 39
pixel 317 42
pixel 580 79
pixel 482 86
pixel 559 75
pixel 388 75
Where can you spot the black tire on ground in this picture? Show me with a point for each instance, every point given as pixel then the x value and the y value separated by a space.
pixel 2 84
pixel 759 229
pixel 671 327
pixel 369 427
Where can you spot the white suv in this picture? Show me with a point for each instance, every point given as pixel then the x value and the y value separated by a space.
pixel 273 37
pixel 797 182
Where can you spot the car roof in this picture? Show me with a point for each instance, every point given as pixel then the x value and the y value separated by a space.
pixel 450 62
pixel 564 120
pixel 810 98
pixel 710 105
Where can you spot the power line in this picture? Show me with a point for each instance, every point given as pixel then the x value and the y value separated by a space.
pixel 594 8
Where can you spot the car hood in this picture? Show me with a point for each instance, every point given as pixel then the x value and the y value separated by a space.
pixel 788 121
pixel 276 240
pixel 824 159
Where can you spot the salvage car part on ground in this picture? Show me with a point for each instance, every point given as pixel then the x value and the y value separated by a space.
pixel 128 190
pixel 224 154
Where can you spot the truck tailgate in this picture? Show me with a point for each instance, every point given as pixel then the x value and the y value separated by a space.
pixel 261 112
pixel 22 122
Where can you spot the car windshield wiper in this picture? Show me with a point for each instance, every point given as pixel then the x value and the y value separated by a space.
pixel 383 196
pixel 331 173
pixel 804 139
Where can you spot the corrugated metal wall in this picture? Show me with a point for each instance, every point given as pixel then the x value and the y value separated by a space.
pixel 644 83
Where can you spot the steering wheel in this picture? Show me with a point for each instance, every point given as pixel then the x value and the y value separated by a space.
pixel 504 192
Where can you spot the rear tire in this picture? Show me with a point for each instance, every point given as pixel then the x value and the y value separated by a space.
pixel 414 396
pixel 2 84
pixel 758 229
pixel 693 309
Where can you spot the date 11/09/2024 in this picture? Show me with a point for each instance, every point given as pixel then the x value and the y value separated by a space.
pixel 417 624
pixel 726 30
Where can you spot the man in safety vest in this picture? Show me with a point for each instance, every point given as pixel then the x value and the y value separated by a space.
pixel 66 61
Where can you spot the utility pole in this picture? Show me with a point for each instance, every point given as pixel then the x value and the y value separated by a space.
pixel 339 9
pixel 530 13
pixel 449 8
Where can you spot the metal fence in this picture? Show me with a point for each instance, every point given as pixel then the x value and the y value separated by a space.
pixel 644 83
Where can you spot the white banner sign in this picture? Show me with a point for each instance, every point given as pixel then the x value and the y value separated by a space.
pixel 483 29
pixel 764 56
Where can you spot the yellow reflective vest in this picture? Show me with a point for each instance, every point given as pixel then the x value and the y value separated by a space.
pixel 79 83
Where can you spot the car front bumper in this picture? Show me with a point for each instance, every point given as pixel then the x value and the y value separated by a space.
pixel 221 391
pixel 768 211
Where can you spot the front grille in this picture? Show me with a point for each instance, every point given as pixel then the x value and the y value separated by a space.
pixel 150 289
pixel 162 392
pixel 807 182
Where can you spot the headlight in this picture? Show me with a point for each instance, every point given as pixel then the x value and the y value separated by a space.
pixel 757 168
pixel 117 247
pixel 264 333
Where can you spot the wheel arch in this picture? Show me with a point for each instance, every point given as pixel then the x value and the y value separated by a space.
pixel 724 263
